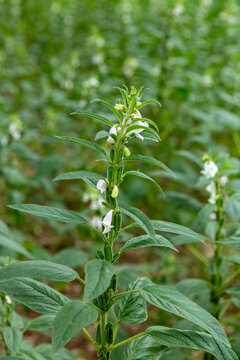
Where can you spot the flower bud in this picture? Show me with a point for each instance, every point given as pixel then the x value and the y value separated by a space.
pixel 114 192
pixel 119 107
pixel 139 103
pixel 126 151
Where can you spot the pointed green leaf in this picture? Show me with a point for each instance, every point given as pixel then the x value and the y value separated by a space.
pixel 166 226
pixel 96 117
pixel 40 323
pixel 98 277
pixel 144 348
pixel 112 108
pixel 146 241
pixel 132 308
pixel 144 176
pixel 35 295
pixel 12 338
pixel 7 242
pixel 70 257
pixel 235 290
pixel 232 241
pixel 142 127
pixel 149 102
pixel 149 160
pixel 38 269
pixel 51 212
pixel 79 141
pixel 70 320
pixel 101 135
pixel 189 339
pixel 73 175
pixel 151 122
pixel 171 300
pixel 141 219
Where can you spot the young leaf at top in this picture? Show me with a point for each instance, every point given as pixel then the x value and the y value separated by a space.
pixel 35 295
pixel 192 340
pixel 141 219
pixel 171 300
pixel 146 241
pixel 51 212
pixel 87 143
pixel 98 277
pixel 144 176
pixel 70 320
pixel 38 269
pixel 96 117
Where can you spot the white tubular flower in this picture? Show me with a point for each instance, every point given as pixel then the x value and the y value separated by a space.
pixel 209 169
pixel 8 300
pixel 211 188
pixel 113 131
pixel 101 186
pixel 223 180
pixel 107 221
pixel 138 131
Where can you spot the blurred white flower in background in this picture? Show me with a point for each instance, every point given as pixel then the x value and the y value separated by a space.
pixel 210 169
pixel 211 188
pixel 213 216
pixel 96 222
pixel 4 140
pixel 178 10
pixel 8 300
pixel 223 180
pixel 15 130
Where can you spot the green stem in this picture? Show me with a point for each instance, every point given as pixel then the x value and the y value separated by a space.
pixel 90 338
pixel 81 281
pixel 231 277
pixel 127 340
pixel 116 331
pixel 103 330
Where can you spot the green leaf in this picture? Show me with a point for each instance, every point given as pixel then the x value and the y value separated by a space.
pixel 235 290
pixel 144 176
pixel 203 217
pixel 7 242
pixel 99 118
pixel 4 228
pixel 166 226
pixel 141 219
pixel 98 277
pixel 146 241
pixel 101 135
pixel 70 320
pixel 149 160
pixel 232 241
pixel 132 308
pixel 73 175
pixel 38 269
pixel 70 257
pixel 112 108
pixel 171 300
pixel 40 323
pixel 90 144
pixel 12 338
pixel 12 358
pixel 35 295
pixel 51 212
pixel 151 122
pixel 190 339
pixel 149 102
pixel 145 348
pixel 190 287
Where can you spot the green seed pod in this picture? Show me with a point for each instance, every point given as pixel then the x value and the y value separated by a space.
pixel 95 302
pixel 110 174
pixel 109 333
pixel 113 284
pixel 101 302
pixel 117 221
pixel 115 256
pixel 120 155
pixel 100 255
pixel 108 251
pixel 113 202
pixel 112 153
pixel 119 174
pixel 98 334
pixel 109 305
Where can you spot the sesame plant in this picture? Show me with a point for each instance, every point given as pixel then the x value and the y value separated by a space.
pixel 104 305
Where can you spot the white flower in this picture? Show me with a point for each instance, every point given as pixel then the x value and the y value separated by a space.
pixel 213 216
pixel 8 300
pixel 207 80
pixel 223 180
pixel 137 114
pixel 96 222
pixel 101 186
pixel 4 140
pixel 86 197
pixel 211 188
pixel 138 131
pixel 178 9
pixel 113 131
pixel 14 131
pixel 209 169
pixel 107 221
